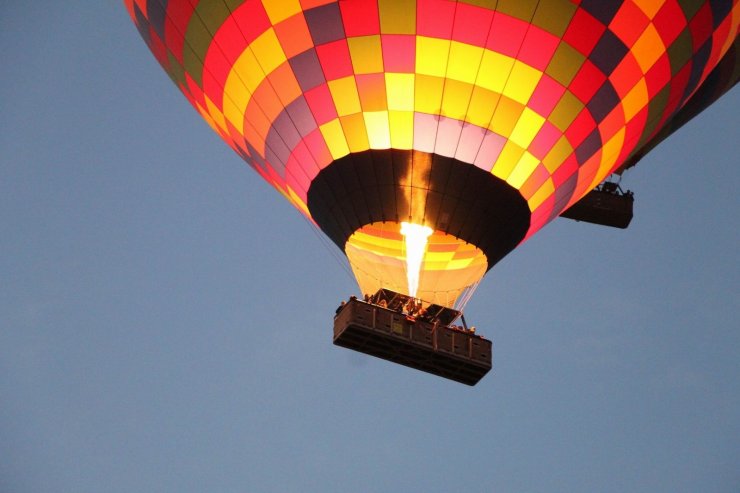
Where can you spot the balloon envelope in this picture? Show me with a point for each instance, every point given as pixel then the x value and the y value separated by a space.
pixel 482 121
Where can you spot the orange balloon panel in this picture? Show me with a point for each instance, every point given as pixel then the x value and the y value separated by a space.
pixel 541 98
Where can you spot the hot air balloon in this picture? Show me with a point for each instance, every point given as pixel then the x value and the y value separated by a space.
pixel 429 138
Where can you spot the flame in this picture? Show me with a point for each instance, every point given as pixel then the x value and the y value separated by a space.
pixel 416 237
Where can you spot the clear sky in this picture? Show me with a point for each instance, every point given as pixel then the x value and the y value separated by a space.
pixel 166 317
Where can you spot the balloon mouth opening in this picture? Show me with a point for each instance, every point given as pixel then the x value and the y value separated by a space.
pixel 416 260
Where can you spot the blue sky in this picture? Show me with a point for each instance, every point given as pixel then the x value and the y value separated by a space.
pixel 165 317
